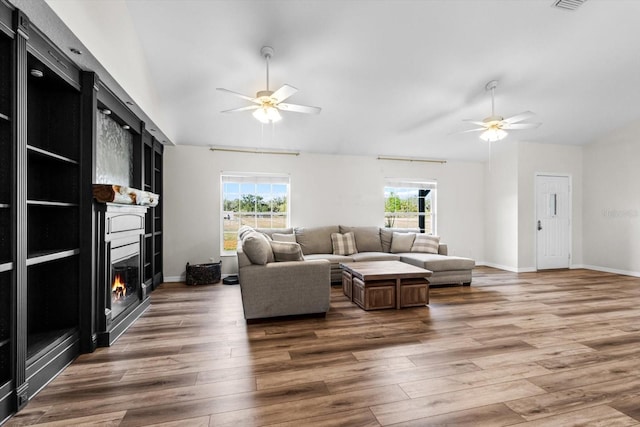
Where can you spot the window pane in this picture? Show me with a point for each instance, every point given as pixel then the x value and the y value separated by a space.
pixel 410 205
pixel 257 201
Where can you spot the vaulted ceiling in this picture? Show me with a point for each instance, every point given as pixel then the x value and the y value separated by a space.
pixel 393 77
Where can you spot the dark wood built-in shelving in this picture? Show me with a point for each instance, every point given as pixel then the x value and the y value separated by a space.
pixel 7 215
pixel 48 232
pixel 152 181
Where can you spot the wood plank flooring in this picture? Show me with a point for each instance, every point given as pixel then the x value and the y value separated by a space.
pixel 557 348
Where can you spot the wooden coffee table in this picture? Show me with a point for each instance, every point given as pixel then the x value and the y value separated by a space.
pixel 376 285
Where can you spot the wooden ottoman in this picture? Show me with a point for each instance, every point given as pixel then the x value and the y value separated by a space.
pixel 377 285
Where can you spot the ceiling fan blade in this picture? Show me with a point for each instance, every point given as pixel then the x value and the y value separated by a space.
pixel 239 95
pixel 283 93
pixel 519 117
pixel 299 108
pixel 472 130
pixel 475 122
pixel 516 126
pixel 235 110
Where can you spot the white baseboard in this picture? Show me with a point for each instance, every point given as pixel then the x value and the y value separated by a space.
pixel 612 270
pixel 511 269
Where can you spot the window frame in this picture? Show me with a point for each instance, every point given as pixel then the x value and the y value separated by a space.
pixel 257 179
pixel 418 184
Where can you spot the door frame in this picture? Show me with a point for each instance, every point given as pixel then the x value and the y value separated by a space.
pixel 535 212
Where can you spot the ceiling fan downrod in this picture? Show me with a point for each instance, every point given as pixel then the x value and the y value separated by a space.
pixel 267 52
pixel 492 85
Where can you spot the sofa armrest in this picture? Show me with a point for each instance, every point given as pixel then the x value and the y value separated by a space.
pixel 442 249
pixel 275 273
pixel 285 288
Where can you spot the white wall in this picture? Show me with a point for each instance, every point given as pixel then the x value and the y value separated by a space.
pixel 611 212
pixel 325 189
pixel 106 29
pixel 546 158
pixel 501 206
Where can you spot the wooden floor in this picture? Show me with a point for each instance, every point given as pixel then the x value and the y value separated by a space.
pixel 556 348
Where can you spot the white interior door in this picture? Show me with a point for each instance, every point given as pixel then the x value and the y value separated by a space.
pixel 553 222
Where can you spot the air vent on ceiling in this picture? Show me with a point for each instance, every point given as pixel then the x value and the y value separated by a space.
pixel 568 4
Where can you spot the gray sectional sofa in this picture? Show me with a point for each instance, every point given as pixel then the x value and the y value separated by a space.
pixel 300 283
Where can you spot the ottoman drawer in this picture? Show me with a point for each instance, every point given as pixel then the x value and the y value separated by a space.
pixel 375 295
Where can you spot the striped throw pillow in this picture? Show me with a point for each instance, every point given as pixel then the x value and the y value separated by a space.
pixel 426 243
pixel 344 244
pixel 286 251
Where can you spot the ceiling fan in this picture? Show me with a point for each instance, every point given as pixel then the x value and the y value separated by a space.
pixel 269 103
pixel 494 128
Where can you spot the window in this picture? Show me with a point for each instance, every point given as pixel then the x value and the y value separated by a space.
pixel 252 199
pixel 410 204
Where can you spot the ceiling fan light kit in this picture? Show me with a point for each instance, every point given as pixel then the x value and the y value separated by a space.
pixel 269 103
pixel 493 134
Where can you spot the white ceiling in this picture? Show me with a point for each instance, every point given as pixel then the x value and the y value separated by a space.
pixel 393 77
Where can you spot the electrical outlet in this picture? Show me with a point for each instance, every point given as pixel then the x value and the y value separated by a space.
pixel 23 399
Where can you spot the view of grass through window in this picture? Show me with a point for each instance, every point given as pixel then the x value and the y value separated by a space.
pixel 257 201
pixel 410 205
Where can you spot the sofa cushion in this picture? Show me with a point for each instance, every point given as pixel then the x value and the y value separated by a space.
pixel 435 262
pixel 316 240
pixel 279 237
pixel 402 242
pixel 426 243
pixel 286 251
pixel 333 259
pixel 343 244
pixel 367 238
pixel 257 248
pixel 386 235
pixel 375 256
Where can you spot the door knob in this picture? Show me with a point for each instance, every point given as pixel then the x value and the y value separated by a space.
pixel 539 225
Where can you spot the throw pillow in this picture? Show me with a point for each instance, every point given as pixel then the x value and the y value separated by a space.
pixel 286 251
pixel 344 244
pixel 257 248
pixel 242 231
pixel 426 243
pixel 402 242
pixel 278 237
pixel 367 238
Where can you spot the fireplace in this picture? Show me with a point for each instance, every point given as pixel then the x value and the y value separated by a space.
pixel 121 296
pixel 125 280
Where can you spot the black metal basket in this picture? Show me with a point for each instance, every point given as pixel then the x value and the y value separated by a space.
pixel 203 274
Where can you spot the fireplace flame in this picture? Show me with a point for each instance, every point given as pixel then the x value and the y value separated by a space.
pixel 118 289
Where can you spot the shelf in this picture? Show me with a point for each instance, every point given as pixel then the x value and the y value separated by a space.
pixel 148 235
pixel 157 233
pixel 147 264
pixel 4 206
pixel 7 266
pixel 46 256
pixel 40 343
pixel 50 154
pixel 4 342
pixel 52 228
pixel 46 203
pixel 4 117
